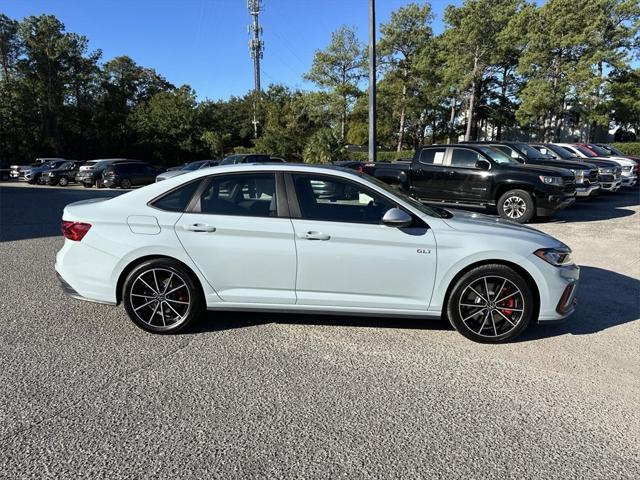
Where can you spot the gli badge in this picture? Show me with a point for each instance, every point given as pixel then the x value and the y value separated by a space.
pixel 423 250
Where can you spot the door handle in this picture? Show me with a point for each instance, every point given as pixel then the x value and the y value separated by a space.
pixel 199 227
pixel 314 236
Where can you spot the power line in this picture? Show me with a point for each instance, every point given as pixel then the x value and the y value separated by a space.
pixel 256 47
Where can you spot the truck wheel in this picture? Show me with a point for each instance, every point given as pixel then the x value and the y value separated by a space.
pixel 517 206
pixel 63 182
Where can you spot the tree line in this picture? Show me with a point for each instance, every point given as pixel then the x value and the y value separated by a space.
pixel 499 69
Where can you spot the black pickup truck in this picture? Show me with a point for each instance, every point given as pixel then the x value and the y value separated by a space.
pixel 480 176
pixel 586 174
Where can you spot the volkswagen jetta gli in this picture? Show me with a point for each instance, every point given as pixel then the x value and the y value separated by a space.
pixel 295 238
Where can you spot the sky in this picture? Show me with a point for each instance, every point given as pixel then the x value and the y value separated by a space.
pixel 204 43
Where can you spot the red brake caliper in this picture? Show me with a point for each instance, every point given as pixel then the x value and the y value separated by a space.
pixel 509 303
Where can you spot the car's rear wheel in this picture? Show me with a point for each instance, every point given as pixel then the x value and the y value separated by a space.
pixel 161 296
pixel 125 183
pixel 87 185
pixel 63 182
pixel 516 205
pixel 491 304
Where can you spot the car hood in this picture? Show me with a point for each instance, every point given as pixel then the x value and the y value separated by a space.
pixel 171 173
pixel 471 222
pixel 567 164
pixel 540 169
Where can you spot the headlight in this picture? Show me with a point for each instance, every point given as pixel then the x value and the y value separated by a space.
pixel 580 174
pixel 550 180
pixel 626 169
pixel 555 256
pixel 606 170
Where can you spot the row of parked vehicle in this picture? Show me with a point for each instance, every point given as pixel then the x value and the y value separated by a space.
pixel 114 172
pixel 520 180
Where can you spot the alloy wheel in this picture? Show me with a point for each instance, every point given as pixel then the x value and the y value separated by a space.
pixel 491 306
pixel 514 207
pixel 160 298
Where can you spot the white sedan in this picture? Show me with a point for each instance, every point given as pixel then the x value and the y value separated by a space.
pixel 295 238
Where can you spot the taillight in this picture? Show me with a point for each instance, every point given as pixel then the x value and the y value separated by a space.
pixel 74 230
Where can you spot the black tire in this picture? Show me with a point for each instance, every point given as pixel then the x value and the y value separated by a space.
pixel 516 205
pixel 63 182
pixel 125 183
pixel 186 301
pixel 87 185
pixel 53 182
pixel 487 324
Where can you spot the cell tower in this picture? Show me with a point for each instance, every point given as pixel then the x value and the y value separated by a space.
pixel 256 46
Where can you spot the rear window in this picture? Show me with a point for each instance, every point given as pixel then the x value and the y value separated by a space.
pixel 178 199
pixel 431 156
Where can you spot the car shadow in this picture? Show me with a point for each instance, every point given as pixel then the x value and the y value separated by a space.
pixel 603 207
pixel 605 300
pixel 33 212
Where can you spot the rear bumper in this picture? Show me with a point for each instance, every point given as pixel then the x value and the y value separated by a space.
pixel 69 291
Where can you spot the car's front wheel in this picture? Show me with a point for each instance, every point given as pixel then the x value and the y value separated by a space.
pixel 125 183
pixel 491 304
pixel 516 205
pixel 161 296
pixel 63 182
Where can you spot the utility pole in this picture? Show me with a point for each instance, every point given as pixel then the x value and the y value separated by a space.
pixel 256 47
pixel 372 81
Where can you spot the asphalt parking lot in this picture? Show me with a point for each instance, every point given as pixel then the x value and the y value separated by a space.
pixel 84 393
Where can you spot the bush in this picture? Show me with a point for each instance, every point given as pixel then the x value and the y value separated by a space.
pixel 322 147
pixel 629 148
pixel 382 156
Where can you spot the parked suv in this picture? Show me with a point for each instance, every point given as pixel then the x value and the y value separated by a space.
pixel 90 173
pixel 480 176
pixel 18 172
pixel 586 174
pixel 127 175
pixel 609 172
pixel 34 174
pixel 63 175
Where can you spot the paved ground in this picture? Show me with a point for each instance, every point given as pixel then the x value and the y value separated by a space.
pixel 84 393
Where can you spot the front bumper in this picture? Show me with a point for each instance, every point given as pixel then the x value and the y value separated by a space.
pixel 108 183
pixel 550 203
pixel 629 181
pixel 611 186
pixel 561 284
pixel 587 190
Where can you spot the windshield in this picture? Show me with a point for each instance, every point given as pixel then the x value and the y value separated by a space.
pixel 497 155
pixel 193 166
pixel 560 152
pixel 66 165
pixel 613 150
pixel 600 150
pixel 230 160
pixel 530 151
pixel 585 151
pixel 432 212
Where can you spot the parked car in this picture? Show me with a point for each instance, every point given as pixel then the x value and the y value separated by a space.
pixel 5 170
pixel 617 152
pixel 90 173
pixel 127 175
pixel 189 167
pixel 34 174
pixel 19 172
pixel 352 164
pixel 629 167
pixel 250 158
pixel 609 172
pixel 480 176
pixel 175 248
pixel 63 175
pixel 586 174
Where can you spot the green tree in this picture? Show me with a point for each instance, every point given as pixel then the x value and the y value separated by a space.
pixel 473 42
pixel 322 147
pixel 403 38
pixel 10 46
pixel 339 69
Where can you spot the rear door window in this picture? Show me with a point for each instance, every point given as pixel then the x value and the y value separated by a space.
pixel 432 156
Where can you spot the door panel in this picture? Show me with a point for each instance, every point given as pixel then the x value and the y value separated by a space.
pixel 347 258
pixel 244 250
pixel 429 175
pixel 466 182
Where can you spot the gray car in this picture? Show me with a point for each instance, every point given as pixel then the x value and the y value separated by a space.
pixel 189 167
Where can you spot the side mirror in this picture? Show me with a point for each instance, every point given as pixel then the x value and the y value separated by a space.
pixel 483 165
pixel 397 218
